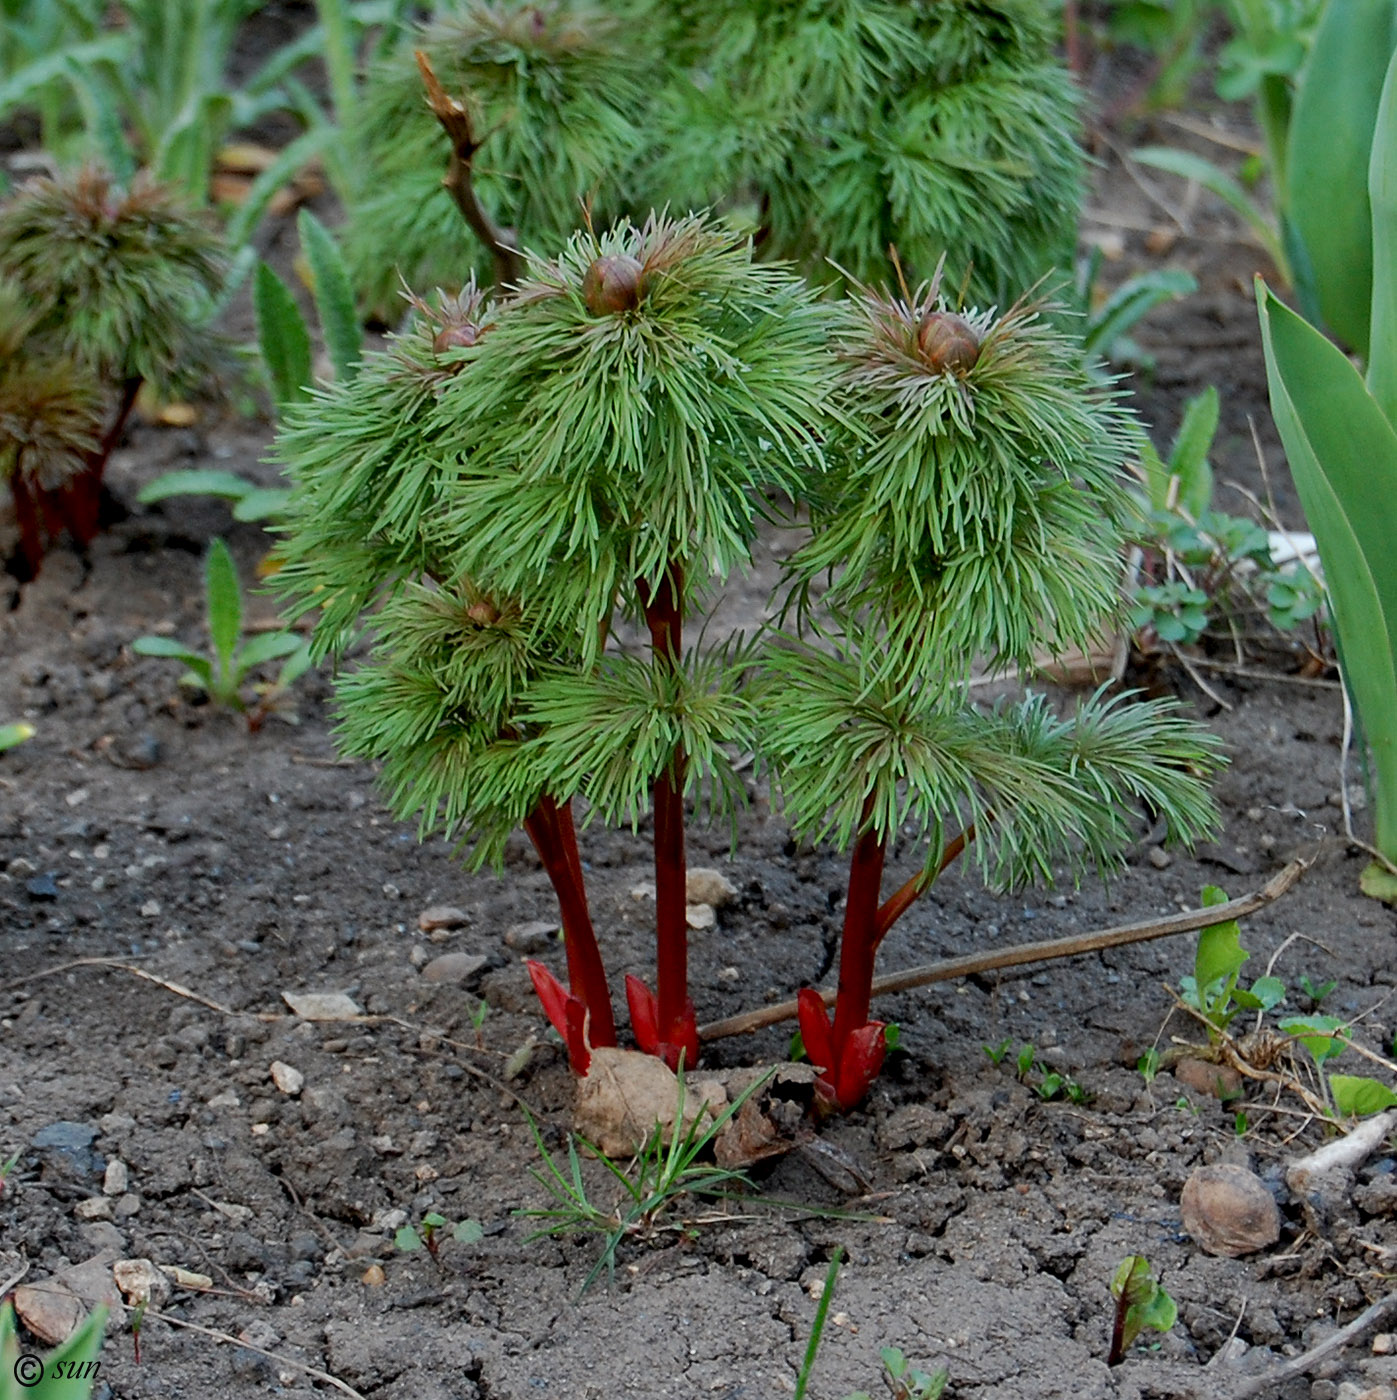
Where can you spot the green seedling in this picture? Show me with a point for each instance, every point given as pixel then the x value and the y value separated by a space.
pixel 69 1372
pixel 1148 1064
pixel 429 1232
pixel 1316 992
pixel 1109 318
pixel 12 735
pixel 136 1321
pixel 6 1168
pixel 903 1380
pixel 224 673
pixel 662 1176
pixel 1213 989
pixel 997 1053
pixel 1140 1302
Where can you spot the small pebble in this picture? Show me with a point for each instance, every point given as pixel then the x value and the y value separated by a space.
pixel 287 1078
pixel 533 937
pixel 705 885
pixel 700 916
pixel 20 869
pixel 1160 858
pixel 116 1179
pixel 453 969
pixel 442 916
pixel 95 1208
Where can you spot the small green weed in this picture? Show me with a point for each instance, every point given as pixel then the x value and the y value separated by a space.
pixel 428 1234
pixel 903 1380
pixel 224 673
pixel 1048 1084
pixel 663 1175
pixel 1140 1302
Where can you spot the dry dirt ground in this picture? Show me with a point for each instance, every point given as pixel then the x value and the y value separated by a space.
pixel 982 1224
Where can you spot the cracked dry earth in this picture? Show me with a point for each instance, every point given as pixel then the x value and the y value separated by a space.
pixel 982 1225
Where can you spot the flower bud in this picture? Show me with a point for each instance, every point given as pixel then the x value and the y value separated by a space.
pixel 946 342
pixel 455 336
pixel 484 613
pixel 613 284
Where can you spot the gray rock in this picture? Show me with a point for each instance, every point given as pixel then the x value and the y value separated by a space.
pixel 454 969
pixel 442 916
pixel 533 937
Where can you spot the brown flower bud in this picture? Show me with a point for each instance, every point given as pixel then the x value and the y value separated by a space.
pixel 613 284
pixel 460 335
pixel 484 613
pixel 946 342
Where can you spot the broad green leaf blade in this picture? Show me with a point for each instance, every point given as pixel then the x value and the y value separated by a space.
pixel 13 734
pixel 1192 167
pixel 1343 456
pixel 225 604
pixel 1331 134
pixel 1160 1312
pixel 24 87
pixel 280 172
pixel 262 503
pixel 267 646
pixel 297 664
pixel 1378 882
pixel 205 482
pixel 166 647
pixel 1188 459
pixel 1219 957
pixel 282 337
pixel 66 1373
pixel 1323 1036
pixel 1382 195
pixel 1356 1095
pixel 334 296
pixel 1131 303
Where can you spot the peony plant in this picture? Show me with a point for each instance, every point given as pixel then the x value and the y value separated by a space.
pixel 524 504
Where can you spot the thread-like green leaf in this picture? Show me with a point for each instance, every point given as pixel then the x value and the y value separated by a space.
pixel 1331 133
pixel 1343 456
pixel 334 296
pixel 225 604
pixel 282 337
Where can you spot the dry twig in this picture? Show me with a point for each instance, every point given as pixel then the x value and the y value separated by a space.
pixel 1021 953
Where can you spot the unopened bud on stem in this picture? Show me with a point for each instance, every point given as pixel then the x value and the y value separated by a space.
pixel 613 284
pixel 947 342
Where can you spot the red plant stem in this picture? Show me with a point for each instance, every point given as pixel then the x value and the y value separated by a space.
pixel 896 905
pixel 859 941
pixel 664 618
pixel 555 841
pixel 79 503
pixel 30 551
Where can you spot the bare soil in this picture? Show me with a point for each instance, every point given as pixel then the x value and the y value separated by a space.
pixel 139 831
